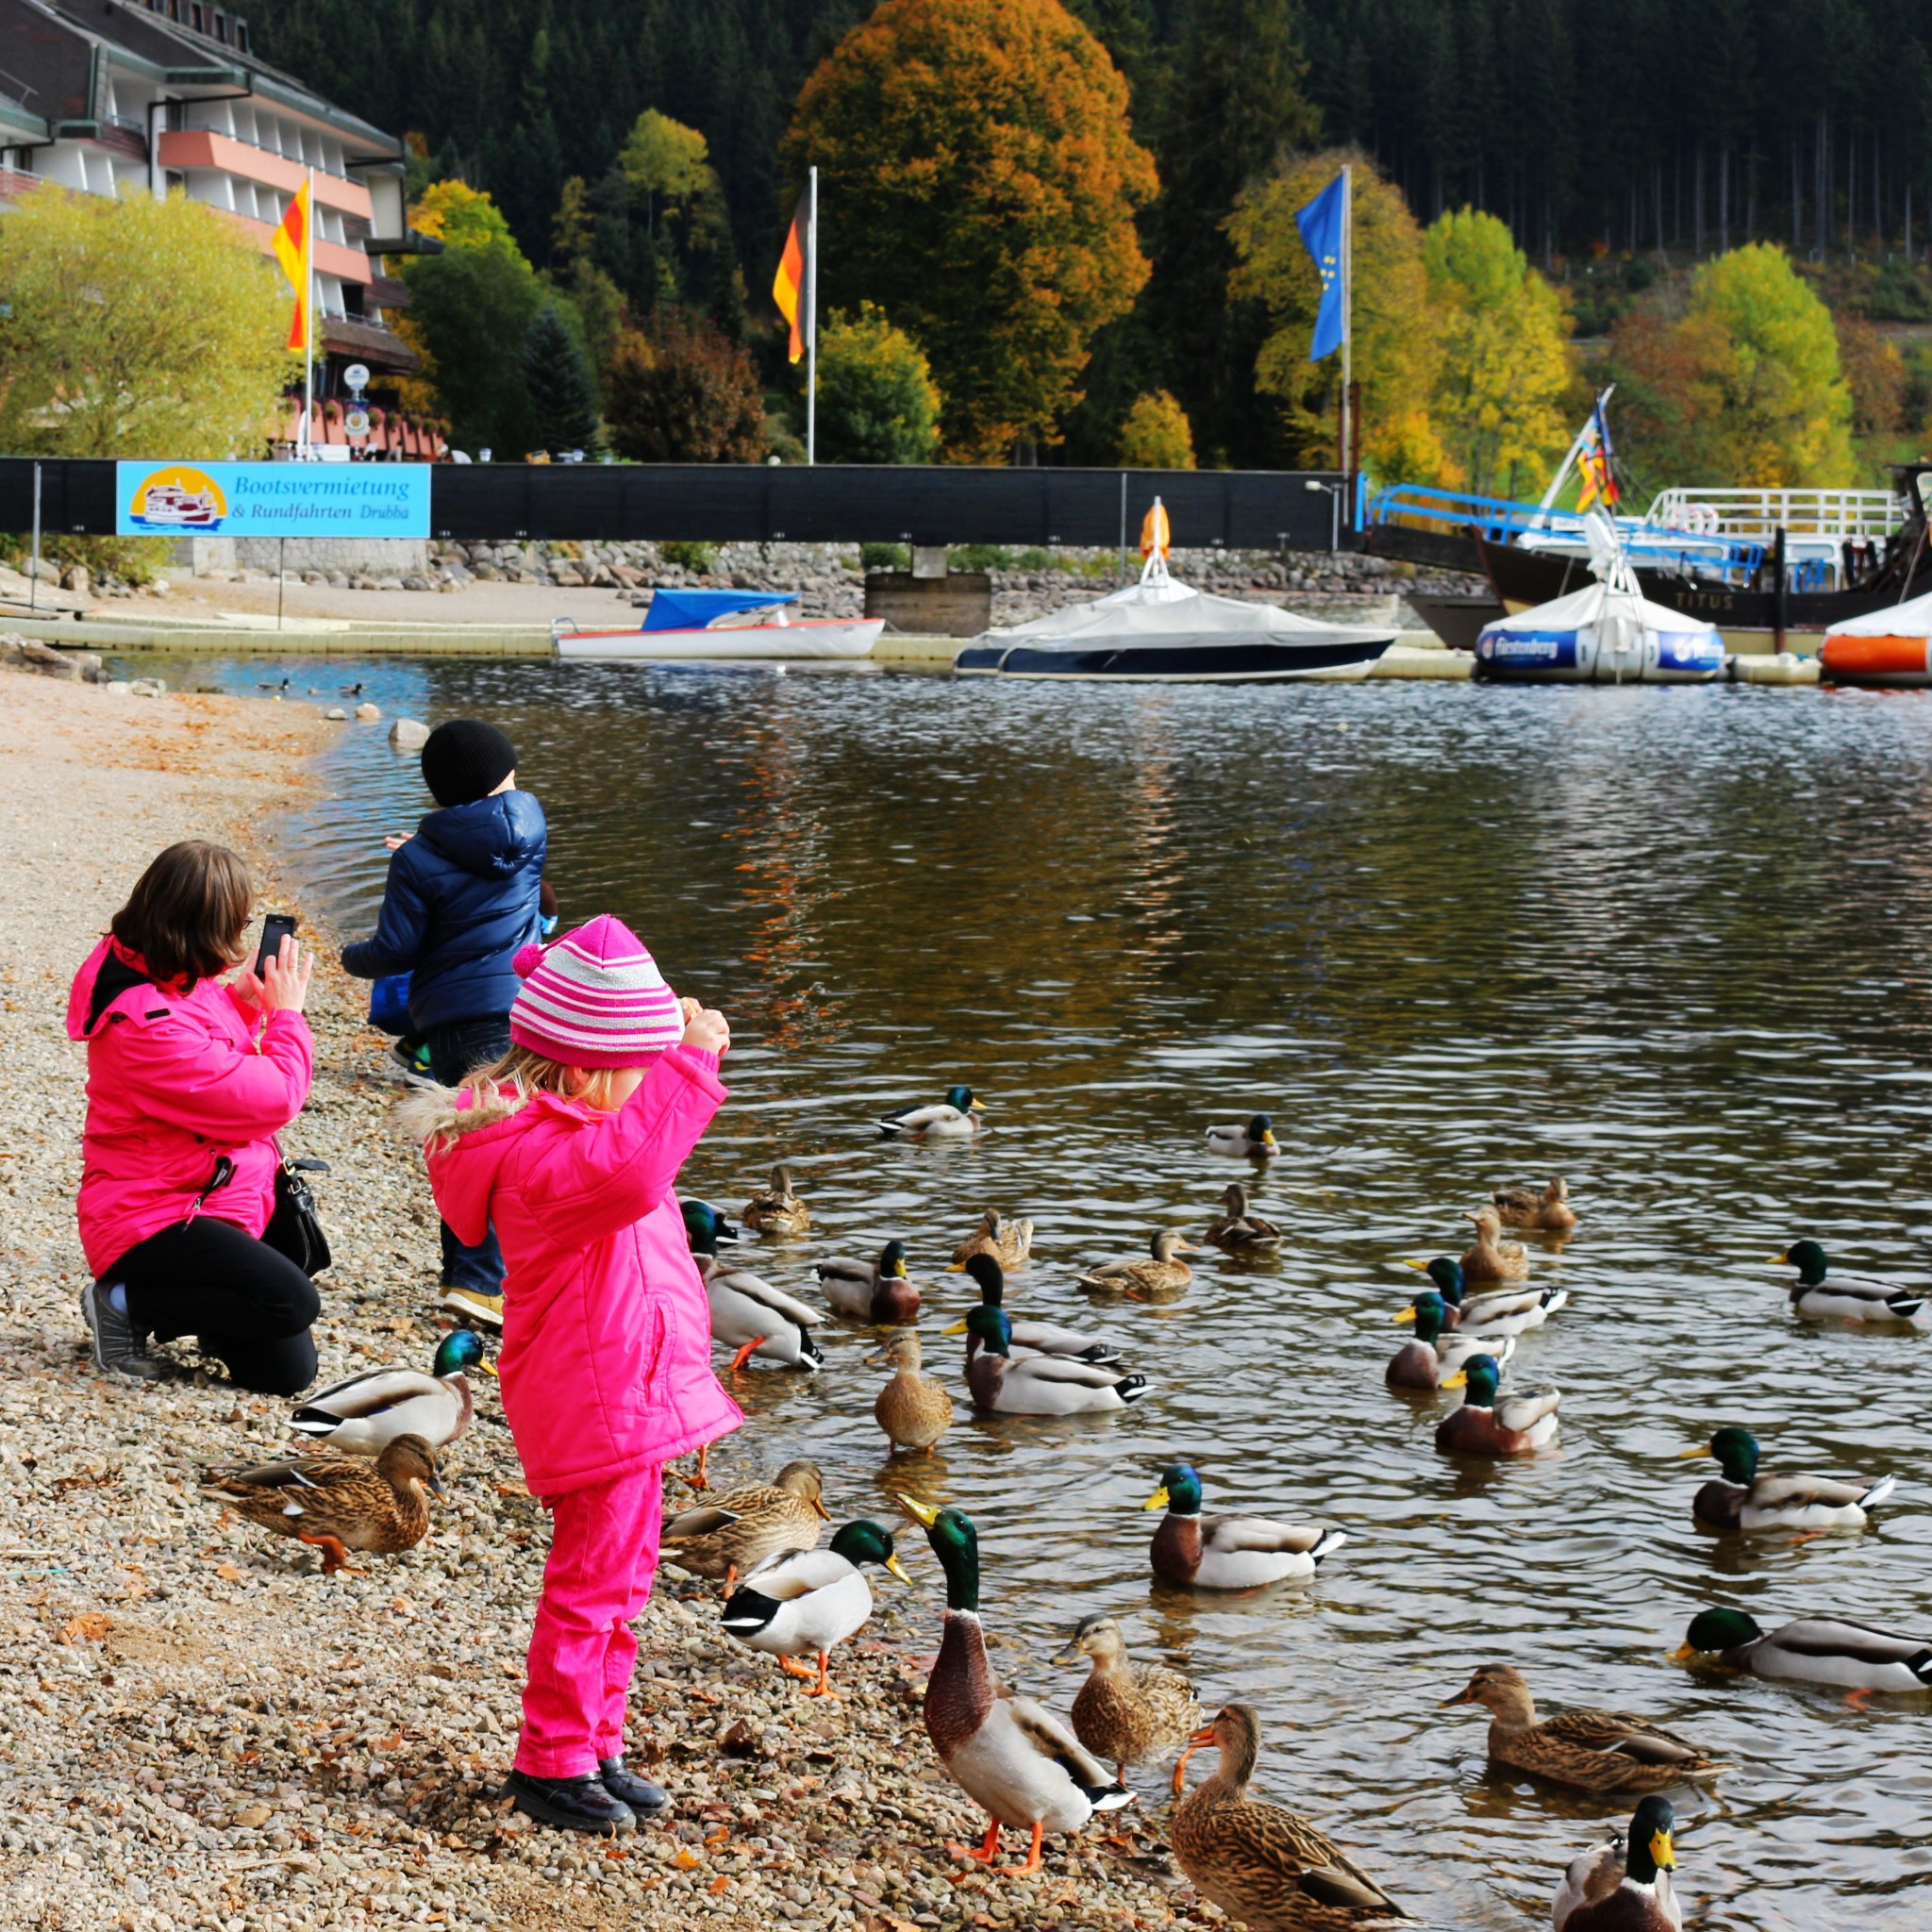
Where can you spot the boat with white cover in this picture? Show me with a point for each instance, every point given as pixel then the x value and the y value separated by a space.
pixel 708 626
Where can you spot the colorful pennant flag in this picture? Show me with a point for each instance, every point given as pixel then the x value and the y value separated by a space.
pixel 1155 537
pixel 1323 224
pixel 294 246
pixel 789 289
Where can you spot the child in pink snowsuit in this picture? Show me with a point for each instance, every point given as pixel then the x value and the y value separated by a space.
pixel 568 1147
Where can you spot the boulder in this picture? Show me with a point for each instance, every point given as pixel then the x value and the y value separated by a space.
pixel 367 712
pixel 335 714
pixel 408 734
pixel 30 653
pixel 149 687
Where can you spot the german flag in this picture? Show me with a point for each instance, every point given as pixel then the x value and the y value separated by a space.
pixel 790 288
pixel 294 246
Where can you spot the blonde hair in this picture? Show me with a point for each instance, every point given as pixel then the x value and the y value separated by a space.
pixel 497 1090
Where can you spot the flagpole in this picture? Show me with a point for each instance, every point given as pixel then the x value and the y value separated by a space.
pixel 307 446
pixel 812 325
pixel 1347 315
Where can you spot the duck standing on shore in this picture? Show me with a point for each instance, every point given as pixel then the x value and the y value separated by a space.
pixel 749 1526
pixel 808 1603
pixel 1127 1713
pixel 1229 1552
pixel 365 1413
pixel 1746 1500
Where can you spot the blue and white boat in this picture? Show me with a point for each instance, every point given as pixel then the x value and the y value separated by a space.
pixel 722 624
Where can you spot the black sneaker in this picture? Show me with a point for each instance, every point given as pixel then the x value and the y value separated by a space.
pixel 644 1798
pixel 572 1804
pixel 413 1063
pixel 120 1348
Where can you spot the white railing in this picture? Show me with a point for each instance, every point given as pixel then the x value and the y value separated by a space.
pixel 1759 513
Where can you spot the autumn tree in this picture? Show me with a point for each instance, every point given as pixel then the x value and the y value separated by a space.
pixel 1397 352
pixel 1156 436
pixel 1875 375
pixel 979 182
pixel 684 394
pixel 876 400
pixel 1505 356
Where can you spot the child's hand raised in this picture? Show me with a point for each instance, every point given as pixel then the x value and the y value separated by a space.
pixel 709 1029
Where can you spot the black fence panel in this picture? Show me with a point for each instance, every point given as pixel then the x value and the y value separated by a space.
pixel 929 504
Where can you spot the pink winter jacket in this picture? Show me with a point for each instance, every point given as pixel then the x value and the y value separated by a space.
pixel 606 1363
pixel 175 1080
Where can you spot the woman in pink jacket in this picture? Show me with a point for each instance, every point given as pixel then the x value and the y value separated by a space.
pixel 568 1146
pixel 189 1079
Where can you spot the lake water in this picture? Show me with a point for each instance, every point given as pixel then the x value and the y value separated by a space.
pixel 1672 944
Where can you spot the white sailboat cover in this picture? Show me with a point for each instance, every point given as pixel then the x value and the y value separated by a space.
pixel 1609 608
pixel 1912 619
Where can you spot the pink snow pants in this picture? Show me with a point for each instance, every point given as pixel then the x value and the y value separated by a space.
pixel 603 1554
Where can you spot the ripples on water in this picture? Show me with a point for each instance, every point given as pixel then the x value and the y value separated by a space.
pixel 1669 942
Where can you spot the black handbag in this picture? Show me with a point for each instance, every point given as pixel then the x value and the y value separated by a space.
pixel 294 1228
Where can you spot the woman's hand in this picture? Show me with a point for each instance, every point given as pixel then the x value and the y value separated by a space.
pixel 284 982
pixel 709 1029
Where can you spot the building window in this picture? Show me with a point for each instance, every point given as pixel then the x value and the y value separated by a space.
pixel 242 35
pixel 222 27
pixel 196 18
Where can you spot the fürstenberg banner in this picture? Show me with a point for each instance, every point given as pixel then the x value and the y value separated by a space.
pixel 272 499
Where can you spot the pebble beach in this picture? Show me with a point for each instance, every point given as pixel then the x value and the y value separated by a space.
pixel 198 1730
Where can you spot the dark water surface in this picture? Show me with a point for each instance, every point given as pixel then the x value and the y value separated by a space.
pixel 1672 944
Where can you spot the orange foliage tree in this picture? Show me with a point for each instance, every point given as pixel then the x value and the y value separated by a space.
pixel 977 180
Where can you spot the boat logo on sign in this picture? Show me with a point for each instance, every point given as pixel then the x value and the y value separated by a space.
pixel 177 498
pixel 1514 648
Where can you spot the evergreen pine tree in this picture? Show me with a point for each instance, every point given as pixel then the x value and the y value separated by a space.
pixel 563 397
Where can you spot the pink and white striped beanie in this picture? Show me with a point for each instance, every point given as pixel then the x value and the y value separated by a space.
pixel 595 998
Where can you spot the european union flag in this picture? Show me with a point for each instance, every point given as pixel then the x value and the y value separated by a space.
pixel 1322 223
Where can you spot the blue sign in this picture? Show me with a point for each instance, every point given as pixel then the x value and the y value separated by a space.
pixel 272 499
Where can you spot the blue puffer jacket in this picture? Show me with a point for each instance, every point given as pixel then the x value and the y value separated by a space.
pixel 461 898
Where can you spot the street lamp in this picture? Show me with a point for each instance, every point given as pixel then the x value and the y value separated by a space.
pixel 1335 491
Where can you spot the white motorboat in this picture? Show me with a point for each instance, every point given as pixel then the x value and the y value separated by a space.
pixel 709 626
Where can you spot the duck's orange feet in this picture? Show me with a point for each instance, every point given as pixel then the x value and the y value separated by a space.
pixel 823 1687
pixel 1858 1700
pixel 1032 1864
pixel 989 1846
pixel 700 1481
pixel 750 1349
pixel 334 1558
pixel 792 1668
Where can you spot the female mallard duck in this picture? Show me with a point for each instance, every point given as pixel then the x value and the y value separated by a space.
pixel 1036 1384
pixel 1158 1278
pixel 337 1503
pixel 1625 1883
pixel 1547 1210
pixel 954 1118
pixel 1028 1337
pixel 807 1603
pixel 1265 1868
pixel 747 1526
pixel 1486 1424
pixel 1014 1759
pixel 1237 1230
pixel 776 1210
pixel 1424 1362
pixel 913 1410
pixel 1009 1242
pixel 1255 1139
pixel 1821 1295
pixel 748 1314
pixel 1745 1500
pixel 1127 1713
pixel 1490 1258
pixel 1587 1750
pixel 877 1292
pixel 366 1414
pixel 1812 1650
pixel 1504 1311
pixel 1229 1552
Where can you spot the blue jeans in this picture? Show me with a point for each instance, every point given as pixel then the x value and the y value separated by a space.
pixel 455 1051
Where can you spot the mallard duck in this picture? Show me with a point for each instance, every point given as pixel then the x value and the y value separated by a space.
pixel 368 1411
pixel 877 1292
pixel 1821 1296
pixel 1009 1242
pixel 1127 1712
pixel 1625 1883
pixel 1485 1423
pixel 1255 1139
pixel 1546 1208
pixel 1036 1384
pixel 954 1118
pixel 1489 1259
pixel 776 1210
pixel 1811 1650
pixel 1424 1362
pixel 1158 1279
pixel 1505 1312
pixel 1587 1750
pixel 337 1503
pixel 808 1603
pixel 913 1410
pixel 748 1314
pixel 1239 1232
pixel 1014 1759
pixel 747 1526
pixel 1229 1552
pixel 1745 1500
pixel 1265 1868
pixel 1025 1339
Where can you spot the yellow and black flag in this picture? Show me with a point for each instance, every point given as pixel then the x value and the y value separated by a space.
pixel 792 285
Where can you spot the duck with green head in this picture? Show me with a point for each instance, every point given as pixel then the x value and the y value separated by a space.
pixel 366 1414
pixel 1746 1500
pixel 1625 1883
pixel 954 1118
pixel 810 1602
pixel 1036 1384
pixel 1811 1650
pixel 1821 1294
pixel 1010 1756
pixel 1490 1424
pixel 1028 1337
pixel 748 1314
pixel 1504 1311
pixel 1252 1140
pixel 879 1293
pixel 1199 1552
pixel 1433 1354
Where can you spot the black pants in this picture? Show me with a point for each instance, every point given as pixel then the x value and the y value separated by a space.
pixel 246 1302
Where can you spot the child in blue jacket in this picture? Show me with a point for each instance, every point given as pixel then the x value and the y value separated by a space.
pixel 463 895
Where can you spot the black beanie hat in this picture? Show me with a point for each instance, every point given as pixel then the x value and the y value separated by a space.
pixel 466 759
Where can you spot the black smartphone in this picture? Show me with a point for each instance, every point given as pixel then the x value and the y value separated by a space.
pixel 276 928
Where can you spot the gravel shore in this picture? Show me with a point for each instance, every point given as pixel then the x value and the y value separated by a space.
pixel 198 1730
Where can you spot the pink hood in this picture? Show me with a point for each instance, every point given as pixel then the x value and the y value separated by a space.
pixel 606 1362
pixel 175 1080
